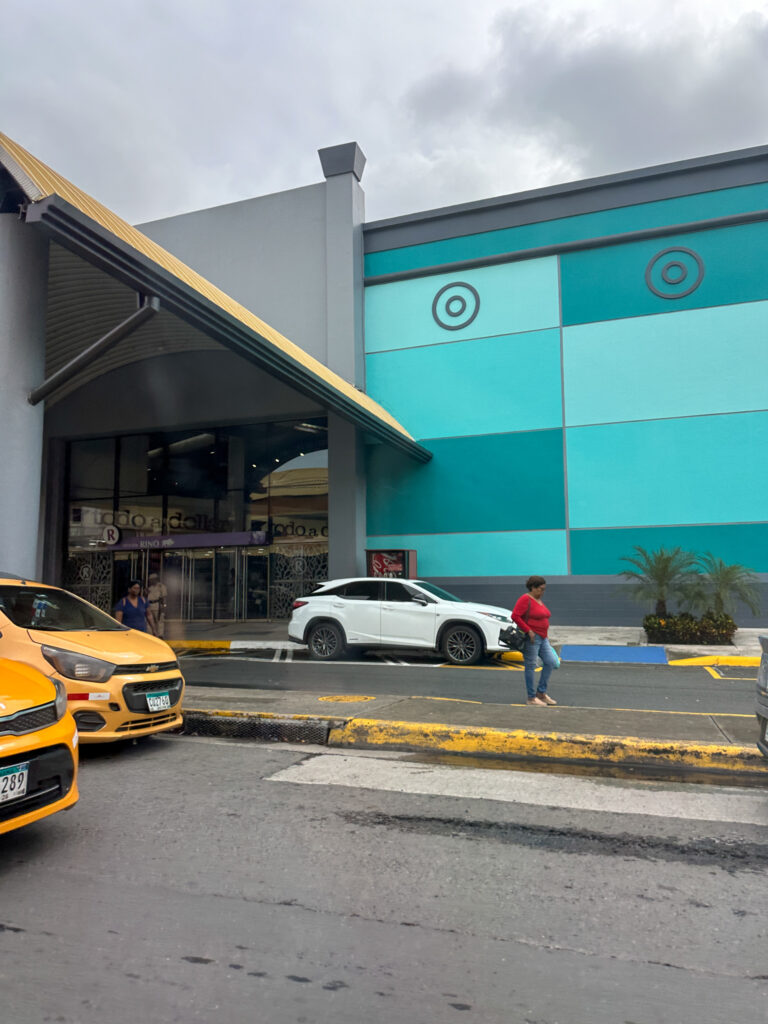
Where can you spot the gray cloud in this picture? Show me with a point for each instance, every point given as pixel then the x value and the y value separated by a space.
pixel 156 108
pixel 599 99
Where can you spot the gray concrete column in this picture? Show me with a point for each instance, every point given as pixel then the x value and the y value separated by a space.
pixel 344 215
pixel 23 296
pixel 346 500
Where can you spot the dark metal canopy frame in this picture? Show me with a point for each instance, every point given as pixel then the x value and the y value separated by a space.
pixel 158 288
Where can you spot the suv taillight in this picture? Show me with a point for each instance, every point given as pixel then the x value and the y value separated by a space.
pixel 298 604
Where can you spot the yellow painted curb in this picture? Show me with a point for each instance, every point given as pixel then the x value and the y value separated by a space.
pixel 199 645
pixel 745 660
pixel 361 732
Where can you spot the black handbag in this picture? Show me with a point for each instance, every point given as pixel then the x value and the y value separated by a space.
pixel 513 638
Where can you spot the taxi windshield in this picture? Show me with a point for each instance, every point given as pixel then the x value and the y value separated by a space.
pixel 51 609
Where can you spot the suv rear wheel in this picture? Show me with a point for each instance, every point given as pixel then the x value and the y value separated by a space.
pixel 325 641
pixel 462 645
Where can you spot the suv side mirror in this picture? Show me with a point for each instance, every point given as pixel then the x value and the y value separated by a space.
pixel 418 599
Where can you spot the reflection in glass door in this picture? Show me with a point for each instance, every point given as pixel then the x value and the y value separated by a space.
pixel 201 584
pixel 255 580
pixel 225 585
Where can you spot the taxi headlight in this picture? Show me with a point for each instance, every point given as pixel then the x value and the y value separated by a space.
pixel 78 666
pixel 61 698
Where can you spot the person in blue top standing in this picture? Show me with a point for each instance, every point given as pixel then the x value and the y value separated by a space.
pixel 133 611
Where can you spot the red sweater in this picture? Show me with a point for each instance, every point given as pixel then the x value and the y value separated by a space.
pixel 535 618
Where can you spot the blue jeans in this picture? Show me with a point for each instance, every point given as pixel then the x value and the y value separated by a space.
pixel 534 649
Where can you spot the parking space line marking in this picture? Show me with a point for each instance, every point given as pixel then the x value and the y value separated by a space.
pixel 455 700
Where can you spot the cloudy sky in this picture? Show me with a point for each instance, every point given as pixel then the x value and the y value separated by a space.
pixel 156 107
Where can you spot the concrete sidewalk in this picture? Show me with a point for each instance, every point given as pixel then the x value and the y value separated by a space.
pixel 648 739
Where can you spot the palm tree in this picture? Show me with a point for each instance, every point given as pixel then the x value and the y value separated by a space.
pixel 720 586
pixel 660 576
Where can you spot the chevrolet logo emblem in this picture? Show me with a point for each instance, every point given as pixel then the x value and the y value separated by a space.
pixel 152 668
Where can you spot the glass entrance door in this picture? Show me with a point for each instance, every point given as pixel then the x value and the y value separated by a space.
pixel 225 584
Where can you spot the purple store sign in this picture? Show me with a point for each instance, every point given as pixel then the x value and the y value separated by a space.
pixel 166 542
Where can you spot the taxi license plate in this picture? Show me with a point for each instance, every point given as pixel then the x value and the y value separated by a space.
pixel 13 781
pixel 158 701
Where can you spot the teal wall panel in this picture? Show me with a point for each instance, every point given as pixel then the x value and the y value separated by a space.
pixel 513 297
pixel 705 469
pixel 680 364
pixel 484 554
pixel 720 203
pixel 608 283
pixel 472 484
pixel 599 552
pixel 470 387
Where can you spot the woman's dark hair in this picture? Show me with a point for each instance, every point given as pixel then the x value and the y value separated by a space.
pixel 534 581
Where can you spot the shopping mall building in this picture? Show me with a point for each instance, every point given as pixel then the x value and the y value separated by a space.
pixel 246 399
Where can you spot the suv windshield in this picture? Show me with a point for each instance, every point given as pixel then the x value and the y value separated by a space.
pixel 47 608
pixel 438 591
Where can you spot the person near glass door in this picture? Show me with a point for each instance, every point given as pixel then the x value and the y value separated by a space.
pixel 157 599
pixel 133 610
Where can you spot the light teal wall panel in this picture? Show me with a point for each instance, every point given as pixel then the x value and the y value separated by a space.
pixel 495 482
pixel 720 203
pixel 600 552
pixel 607 283
pixel 706 469
pixel 512 297
pixel 484 554
pixel 680 364
pixel 471 387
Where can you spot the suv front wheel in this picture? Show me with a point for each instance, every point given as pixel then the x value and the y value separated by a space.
pixel 462 645
pixel 325 641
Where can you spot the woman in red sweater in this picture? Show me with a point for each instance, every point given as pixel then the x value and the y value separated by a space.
pixel 532 615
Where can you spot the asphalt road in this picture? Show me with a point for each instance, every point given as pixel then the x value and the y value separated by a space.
pixel 648 687
pixel 202 880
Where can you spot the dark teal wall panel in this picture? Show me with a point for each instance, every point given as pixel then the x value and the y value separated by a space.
pixel 610 283
pixel 685 209
pixel 490 482
pixel 599 552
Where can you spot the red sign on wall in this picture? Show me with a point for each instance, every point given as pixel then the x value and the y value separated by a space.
pixel 396 564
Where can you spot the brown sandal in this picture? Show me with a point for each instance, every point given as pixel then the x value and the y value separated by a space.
pixel 546 699
pixel 538 701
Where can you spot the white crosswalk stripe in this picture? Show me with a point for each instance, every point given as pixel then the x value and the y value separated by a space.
pixel 667 800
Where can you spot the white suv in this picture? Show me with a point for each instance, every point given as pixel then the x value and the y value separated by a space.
pixel 377 612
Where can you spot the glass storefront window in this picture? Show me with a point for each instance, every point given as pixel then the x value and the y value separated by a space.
pixel 167 503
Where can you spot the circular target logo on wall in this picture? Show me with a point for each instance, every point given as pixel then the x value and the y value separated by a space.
pixel 455 306
pixel 674 273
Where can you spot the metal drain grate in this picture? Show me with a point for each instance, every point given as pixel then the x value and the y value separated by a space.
pixel 251 727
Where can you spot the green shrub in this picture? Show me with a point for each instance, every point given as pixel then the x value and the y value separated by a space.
pixel 685 629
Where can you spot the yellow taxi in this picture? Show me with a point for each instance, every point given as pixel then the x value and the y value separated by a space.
pixel 38 747
pixel 121 683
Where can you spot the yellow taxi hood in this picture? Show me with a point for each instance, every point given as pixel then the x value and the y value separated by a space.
pixel 120 646
pixel 21 687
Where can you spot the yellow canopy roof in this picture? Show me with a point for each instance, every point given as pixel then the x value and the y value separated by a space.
pixel 89 228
